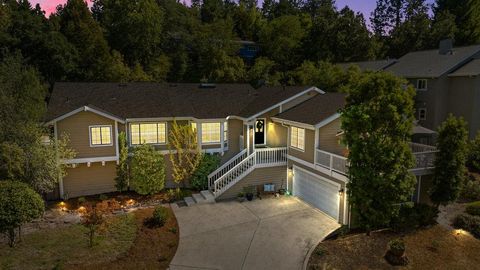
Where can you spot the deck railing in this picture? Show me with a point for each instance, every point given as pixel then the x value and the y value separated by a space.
pixel 226 167
pixel 331 161
pixel 424 156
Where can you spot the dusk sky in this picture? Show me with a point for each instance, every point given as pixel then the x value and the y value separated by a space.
pixel 364 6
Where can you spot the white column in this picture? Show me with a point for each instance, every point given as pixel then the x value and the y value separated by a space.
pixel 248 139
pixel 253 135
pixel 199 136
pixel 60 179
pixel 222 139
pixel 116 143
pixel 316 145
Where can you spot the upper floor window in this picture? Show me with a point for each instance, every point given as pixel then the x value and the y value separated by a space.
pixel 149 133
pixel 210 132
pixel 225 132
pixel 100 135
pixel 422 114
pixel 297 138
pixel 422 84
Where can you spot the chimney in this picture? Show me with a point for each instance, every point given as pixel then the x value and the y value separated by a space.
pixel 446 47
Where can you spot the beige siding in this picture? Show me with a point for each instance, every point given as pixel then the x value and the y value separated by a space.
pixel 274 175
pixel 77 129
pixel 343 200
pixel 464 101
pixel 328 139
pixel 308 154
pixel 96 179
pixel 235 130
pixel 298 100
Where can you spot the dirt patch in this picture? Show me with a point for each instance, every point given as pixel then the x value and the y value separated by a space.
pixel 432 248
pixel 153 248
pixel 449 213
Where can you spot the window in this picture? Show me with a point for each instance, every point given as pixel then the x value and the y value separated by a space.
pixel 210 132
pixel 225 132
pixel 297 138
pixel 100 135
pixel 422 84
pixel 422 114
pixel 150 133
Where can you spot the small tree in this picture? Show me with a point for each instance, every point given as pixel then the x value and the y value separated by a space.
pixel 147 170
pixel 122 179
pixel 200 176
pixel 92 219
pixel 474 153
pixel 449 161
pixel 19 204
pixel 377 121
pixel 184 153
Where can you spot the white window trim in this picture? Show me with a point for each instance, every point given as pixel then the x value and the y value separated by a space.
pixel 426 85
pixel 419 114
pixel 213 142
pixel 290 139
pixel 264 131
pixel 139 123
pixel 90 135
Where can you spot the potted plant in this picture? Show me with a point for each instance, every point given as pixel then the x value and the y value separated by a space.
pixel 248 193
pixel 397 247
pixel 241 196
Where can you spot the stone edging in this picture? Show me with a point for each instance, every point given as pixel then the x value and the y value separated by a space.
pixel 309 253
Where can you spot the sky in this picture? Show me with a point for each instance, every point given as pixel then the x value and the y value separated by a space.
pixel 363 6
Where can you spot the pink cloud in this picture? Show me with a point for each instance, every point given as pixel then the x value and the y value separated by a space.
pixel 50 6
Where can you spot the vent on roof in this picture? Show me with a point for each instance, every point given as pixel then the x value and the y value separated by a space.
pixel 446 47
pixel 208 85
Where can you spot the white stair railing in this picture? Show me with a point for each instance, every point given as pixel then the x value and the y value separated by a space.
pixel 226 167
pixel 265 157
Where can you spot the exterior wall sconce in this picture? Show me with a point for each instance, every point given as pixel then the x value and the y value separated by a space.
pixel 341 192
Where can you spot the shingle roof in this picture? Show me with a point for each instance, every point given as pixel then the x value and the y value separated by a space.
pixel 316 109
pixel 431 64
pixel 472 68
pixel 370 65
pixel 149 100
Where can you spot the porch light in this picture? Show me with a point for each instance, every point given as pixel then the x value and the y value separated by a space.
pixel 341 191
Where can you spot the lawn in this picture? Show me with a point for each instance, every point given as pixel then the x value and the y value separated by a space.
pixel 431 248
pixel 123 243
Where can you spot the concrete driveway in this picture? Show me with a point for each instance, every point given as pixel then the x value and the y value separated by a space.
pixel 274 233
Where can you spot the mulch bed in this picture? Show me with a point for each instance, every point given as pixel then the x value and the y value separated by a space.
pixel 431 248
pixel 153 248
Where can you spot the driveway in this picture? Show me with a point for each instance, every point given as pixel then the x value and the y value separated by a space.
pixel 274 233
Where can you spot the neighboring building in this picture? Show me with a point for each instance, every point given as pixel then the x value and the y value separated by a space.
pixel 286 136
pixel 378 65
pixel 447 81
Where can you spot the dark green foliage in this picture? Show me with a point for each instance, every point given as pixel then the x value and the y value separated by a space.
pixel 147 170
pixel 208 164
pixel 122 179
pixel 19 204
pixel 473 208
pixel 449 161
pixel 467 19
pixel 474 153
pixel 377 121
pixel 396 245
pixel 470 190
pixel 469 223
pixel 411 217
pixel 159 216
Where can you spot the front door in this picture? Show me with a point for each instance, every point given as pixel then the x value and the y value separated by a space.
pixel 259 131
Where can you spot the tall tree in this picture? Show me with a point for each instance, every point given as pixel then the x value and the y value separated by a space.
pixel 450 160
pixel 377 121
pixel 467 19
pixel 387 16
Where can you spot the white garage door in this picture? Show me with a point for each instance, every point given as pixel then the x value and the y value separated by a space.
pixel 317 191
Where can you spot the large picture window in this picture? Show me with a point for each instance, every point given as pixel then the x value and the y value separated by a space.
pixel 100 135
pixel 210 132
pixel 297 138
pixel 149 133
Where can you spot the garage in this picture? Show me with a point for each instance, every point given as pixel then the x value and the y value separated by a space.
pixel 317 191
pixel 84 180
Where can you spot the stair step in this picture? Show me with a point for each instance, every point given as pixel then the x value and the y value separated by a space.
pixel 189 201
pixel 208 195
pixel 198 198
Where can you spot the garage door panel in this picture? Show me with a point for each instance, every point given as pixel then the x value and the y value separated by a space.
pixel 317 191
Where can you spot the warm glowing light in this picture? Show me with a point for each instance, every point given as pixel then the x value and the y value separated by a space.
pixel 130 202
pixel 62 203
pixel 460 232
pixel 81 209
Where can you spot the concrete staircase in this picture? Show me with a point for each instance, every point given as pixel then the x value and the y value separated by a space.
pixel 205 196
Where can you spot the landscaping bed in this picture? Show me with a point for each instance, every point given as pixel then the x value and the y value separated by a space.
pixel 431 248
pixel 124 241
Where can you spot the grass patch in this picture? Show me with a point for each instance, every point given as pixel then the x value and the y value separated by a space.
pixel 55 248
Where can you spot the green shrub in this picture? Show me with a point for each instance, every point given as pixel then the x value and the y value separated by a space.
pixel 411 217
pixel 208 164
pixel 397 245
pixel 473 160
pixel 469 223
pixel 470 189
pixel 159 217
pixel 103 197
pixel 81 200
pixel 147 170
pixel 473 208
pixel 427 215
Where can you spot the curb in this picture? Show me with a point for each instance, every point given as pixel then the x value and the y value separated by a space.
pixel 309 253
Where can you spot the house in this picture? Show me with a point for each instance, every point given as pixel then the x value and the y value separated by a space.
pixel 248 50
pixel 286 136
pixel 446 79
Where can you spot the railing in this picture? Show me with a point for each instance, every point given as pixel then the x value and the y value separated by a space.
pixel 226 167
pixel 260 158
pixel 425 160
pixel 331 161
pixel 420 148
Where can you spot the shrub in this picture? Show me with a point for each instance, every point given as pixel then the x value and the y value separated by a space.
pixel 19 204
pixel 471 189
pixel 103 197
pixel 469 223
pixel 159 217
pixel 427 215
pixel 397 246
pixel 207 165
pixel 473 208
pixel 81 200
pixel 411 217
pixel 474 153
pixel 147 170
